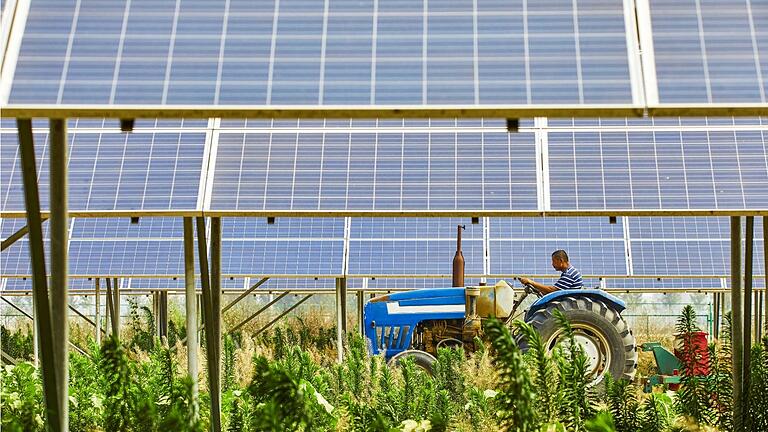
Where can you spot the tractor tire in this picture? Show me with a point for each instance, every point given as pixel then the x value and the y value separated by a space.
pixel 602 332
pixel 421 359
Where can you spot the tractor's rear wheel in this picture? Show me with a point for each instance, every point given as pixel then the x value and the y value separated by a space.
pixel 421 359
pixel 601 332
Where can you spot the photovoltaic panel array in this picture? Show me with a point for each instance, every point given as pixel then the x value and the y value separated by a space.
pixel 375 52
pixel 375 171
pixel 658 170
pixel 110 171
pixel 711 51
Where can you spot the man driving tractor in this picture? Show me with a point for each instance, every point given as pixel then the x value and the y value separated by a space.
pixel 570 278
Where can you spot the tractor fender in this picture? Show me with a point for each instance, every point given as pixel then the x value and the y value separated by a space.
pixel 613 302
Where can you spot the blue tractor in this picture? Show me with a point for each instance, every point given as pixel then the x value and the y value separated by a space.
pixel 416 323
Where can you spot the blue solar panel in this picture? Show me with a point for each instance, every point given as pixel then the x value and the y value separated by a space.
pixel 390 171
pixel 711 51
pixel 412 256
pixel 297 52
pixel 417 228
pixel 533 256
pixel 109 171
pixel 554 228
pixel 282 256
pixel 658 170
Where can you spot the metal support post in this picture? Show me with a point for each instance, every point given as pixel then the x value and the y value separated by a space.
pixel 212 356
pixel 360 307
pixel 162 315
pixel 765 273
pixel 341 316
pixel 215 294
pixel 748 258
pixel 113 308
pixel 716 315
pixel 55 419
pixel 97 296
pixel 116 306
pixel 59 233
pixel 190 302
pixel 737 341
pixel 109 308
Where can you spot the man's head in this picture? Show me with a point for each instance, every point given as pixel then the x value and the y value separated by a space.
pixel 560 260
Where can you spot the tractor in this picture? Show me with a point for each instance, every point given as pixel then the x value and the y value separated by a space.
pixel 417 323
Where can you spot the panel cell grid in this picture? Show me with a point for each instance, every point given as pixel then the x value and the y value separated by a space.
pixel 297 52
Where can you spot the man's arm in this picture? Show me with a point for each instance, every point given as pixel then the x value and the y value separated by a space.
pixel 544 289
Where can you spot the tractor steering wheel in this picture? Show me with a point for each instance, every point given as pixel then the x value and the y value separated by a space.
pixel 530 289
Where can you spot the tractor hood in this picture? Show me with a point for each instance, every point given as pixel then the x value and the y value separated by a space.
pixel 424 300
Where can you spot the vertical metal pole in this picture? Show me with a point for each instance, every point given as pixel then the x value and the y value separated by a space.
pixel 215 294
pixel 737 341
pixel 98 311
pixel 109 308
pixel 116 307
pixel 190 304
pixel 214 384
pixel 360 307
pixel 748 258
pixel 42 305
pixel 339 322
pixel 162 313
pixel 716 315
pixel 35 337
pixel 765 273
pixel 59 233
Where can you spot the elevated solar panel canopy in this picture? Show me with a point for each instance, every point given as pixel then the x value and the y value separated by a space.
pixel 385 58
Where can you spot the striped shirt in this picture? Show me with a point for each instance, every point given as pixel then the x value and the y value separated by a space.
pixel 569 279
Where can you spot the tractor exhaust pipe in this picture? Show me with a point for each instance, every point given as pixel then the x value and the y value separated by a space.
pixel 458 260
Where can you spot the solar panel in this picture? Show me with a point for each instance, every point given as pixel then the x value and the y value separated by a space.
pixel 658 170
pixel 340 52
pixel 375 171
pixel 710 51
pixel 109 171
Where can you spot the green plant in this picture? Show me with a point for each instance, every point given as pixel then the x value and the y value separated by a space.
pixel 21 398
pixel 516 399
pixel 623 405
pixel 656 413
pixel 757 413
pixel 17 344
pixel 692 397
pixel 116 375
pixel 544 374
pixel 575 396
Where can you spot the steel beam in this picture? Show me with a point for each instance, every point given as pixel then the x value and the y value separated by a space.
pixel 215 316
pixel 214 382
pixel 285 312
pixel 245 294
pixel 54 399
pixel 59 234
pixel 765 271
pixel 116 318
pixel 716 315
pixel 86 318
pixel 737 341
pixel 10 214
pixel 190 303
pixel 97 300
pixel 341 316
pixel 13 238
pixel 162 328
pixel 748 258
pixel 18 308
pixel 360 308
pixel 258 312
